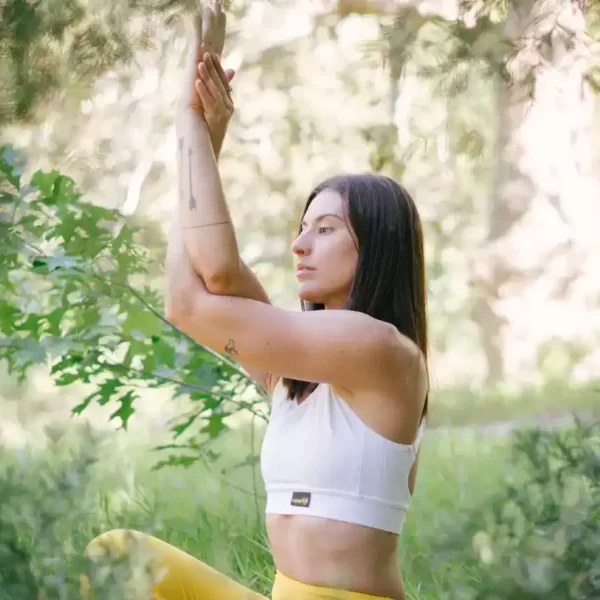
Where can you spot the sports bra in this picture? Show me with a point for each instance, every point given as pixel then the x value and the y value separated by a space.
pixel 319 458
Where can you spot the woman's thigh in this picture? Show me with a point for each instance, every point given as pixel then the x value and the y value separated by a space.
pixel 176 574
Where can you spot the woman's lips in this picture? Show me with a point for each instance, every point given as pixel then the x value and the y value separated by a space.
pixel 302 270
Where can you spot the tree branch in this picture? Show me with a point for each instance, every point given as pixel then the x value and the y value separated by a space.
pixel 244 405
pixel 147 305
pixel 372 7
pixel 233 365
pixel 443 8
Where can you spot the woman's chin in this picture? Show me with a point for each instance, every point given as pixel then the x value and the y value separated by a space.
pixel 329 300
pixel 308 294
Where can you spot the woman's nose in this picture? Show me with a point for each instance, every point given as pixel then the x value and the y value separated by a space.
pixel 300 246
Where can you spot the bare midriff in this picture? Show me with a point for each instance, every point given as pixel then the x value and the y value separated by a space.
pixel 337 555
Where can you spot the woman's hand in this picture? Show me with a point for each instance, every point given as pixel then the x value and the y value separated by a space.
pixel 209 39
pixel 214 93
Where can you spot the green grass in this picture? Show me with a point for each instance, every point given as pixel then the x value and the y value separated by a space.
pixel 220 519
pixel 479 406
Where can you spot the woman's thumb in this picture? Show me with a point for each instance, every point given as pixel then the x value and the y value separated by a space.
pixel 230 74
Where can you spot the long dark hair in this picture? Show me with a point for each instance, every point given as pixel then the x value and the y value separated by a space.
pixel 389 284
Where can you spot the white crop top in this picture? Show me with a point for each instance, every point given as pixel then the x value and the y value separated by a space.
pixel 318 458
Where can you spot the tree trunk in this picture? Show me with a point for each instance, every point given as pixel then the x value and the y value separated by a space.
pixel 544 197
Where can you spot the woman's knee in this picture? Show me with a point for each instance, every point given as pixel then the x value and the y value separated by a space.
pixel 120 558
pixel 115 543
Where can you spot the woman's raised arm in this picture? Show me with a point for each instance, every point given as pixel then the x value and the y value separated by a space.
pixel 204 114
pixel 203 224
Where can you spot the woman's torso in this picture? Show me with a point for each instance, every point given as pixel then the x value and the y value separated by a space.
pixel 329 444
pixel 337 555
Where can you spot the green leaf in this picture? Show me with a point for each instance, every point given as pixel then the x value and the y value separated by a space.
pixel 176 461
pixel 7 207
pixel 181 428
pixel 54 319
pixel 214 426
pixel 209 401
pixel 9 314
pixel 62 262
pixel 250 461
pixel 164 352
pixel 25 352
pixel 66 363
pixel 142 322
pixel 10 165
pixel 67 378
pixel 44 181
pixel 63 191
pixel 126 409
pixel 107 390
pixel 77 410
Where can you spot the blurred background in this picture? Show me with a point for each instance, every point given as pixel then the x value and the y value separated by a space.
pixel 486 111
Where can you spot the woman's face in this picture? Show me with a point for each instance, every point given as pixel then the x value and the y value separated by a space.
pixel 326 252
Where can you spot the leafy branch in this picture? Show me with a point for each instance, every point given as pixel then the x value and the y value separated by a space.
pixel 76 298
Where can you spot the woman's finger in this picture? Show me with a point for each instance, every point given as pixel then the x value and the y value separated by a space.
pixel 209 22
pixel 222 74
pixel 214 27
pixel 210 78
pixel 207 79
pixel 217 83
pixel 221 24
pixel 205 97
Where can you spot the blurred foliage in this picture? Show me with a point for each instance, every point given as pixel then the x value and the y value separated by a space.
pixel 507 406
pixel 40 500
pixel 539 537
pixel 489 35
pixel 73 298
pixel 44 499
pixel 51 45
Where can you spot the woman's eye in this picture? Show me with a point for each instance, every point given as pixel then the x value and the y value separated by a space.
pixel 325 229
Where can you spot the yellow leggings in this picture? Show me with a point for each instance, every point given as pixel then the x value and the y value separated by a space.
pixel 179 576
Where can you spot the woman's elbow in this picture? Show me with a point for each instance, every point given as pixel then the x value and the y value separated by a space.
pixel 222 282
pixel 220 274
pixel 173 314
pixel 186 307
pixel 178 308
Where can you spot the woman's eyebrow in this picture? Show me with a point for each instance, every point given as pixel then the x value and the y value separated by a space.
pixel 321 217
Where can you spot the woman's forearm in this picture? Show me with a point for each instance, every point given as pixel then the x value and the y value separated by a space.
pixel 208 234
pixel 207 228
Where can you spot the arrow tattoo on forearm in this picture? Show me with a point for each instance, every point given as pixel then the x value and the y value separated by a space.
pixel 180 167
pixel 192 199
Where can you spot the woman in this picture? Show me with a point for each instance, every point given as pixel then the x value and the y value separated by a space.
pixel 348 374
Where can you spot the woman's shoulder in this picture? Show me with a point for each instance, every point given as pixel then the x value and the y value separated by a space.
pixel 409 355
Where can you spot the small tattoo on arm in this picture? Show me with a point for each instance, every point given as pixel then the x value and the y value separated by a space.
pixel 230 348
pixel 192 199
pixel 180 144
